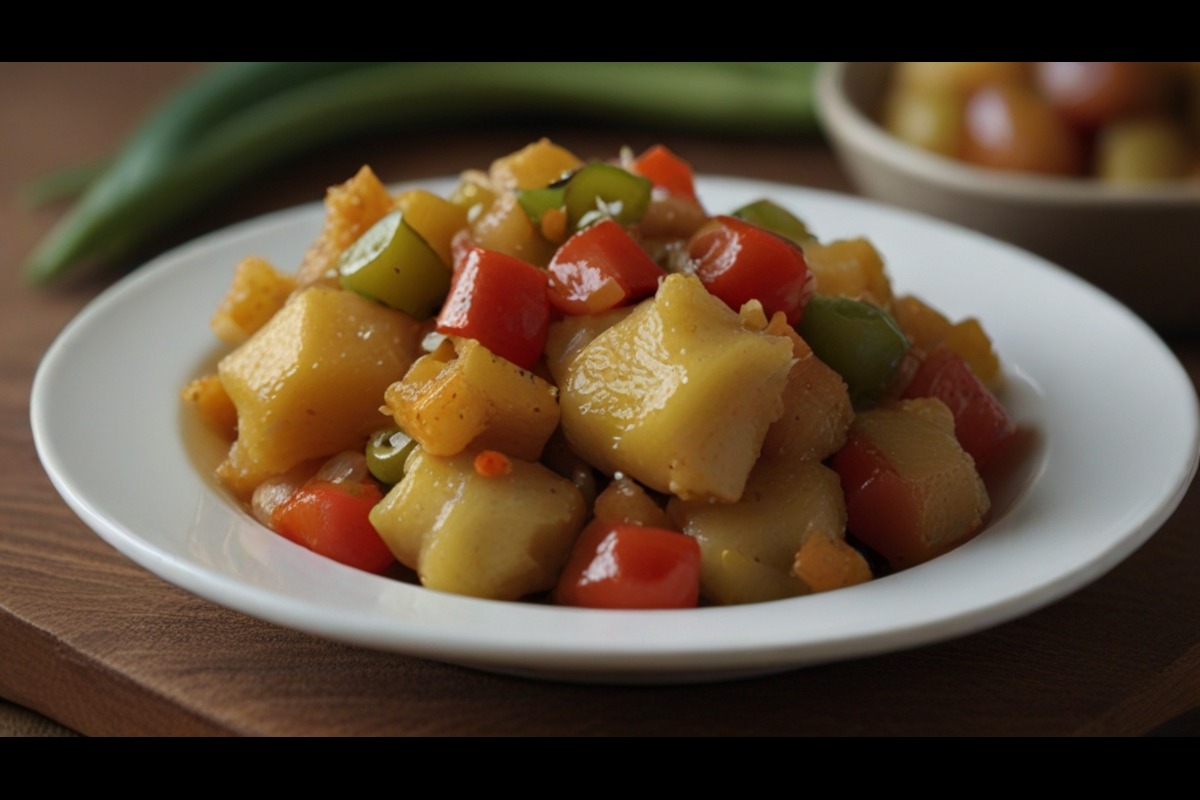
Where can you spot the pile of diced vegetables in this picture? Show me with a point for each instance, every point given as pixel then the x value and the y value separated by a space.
pixel 568 381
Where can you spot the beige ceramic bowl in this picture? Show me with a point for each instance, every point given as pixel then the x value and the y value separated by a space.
pixel 1141 245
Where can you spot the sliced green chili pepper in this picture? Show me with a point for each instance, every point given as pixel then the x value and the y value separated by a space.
pixel 387 453
pixel 602 191
pixel 861 342
pixel 537 202
pixel 775 218
pixel 392 264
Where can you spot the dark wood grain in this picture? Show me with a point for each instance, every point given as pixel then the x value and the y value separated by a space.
pixel 102 647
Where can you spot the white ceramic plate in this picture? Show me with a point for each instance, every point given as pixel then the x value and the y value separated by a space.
pixel 1116 447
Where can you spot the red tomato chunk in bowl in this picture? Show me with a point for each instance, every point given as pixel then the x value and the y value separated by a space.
pixel 534 389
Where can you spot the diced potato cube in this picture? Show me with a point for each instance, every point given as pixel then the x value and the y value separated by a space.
pixel 473 194
pixel 464 395
pixel 623 501
pixel 435 220
pixel 500 538
pixel 208 397
pixel 817 408
pixel 258 291
pixel 849 268
pixel 749 548
pixel 569 335
pixel 506 228
pixel 826 563
pixel 351 209
pixel 311 382
pixel 533 167
pixel 928 328
pixel 678 395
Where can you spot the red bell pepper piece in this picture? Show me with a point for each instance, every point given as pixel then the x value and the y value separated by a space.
pixel 501 302
pixel 739 262
pixel 981 424
pixel 623 566
pixel 332 519
pixel 888 513
pixel 668 171
pixel 601 268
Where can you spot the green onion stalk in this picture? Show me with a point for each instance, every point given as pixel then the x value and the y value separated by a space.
pixel 242 118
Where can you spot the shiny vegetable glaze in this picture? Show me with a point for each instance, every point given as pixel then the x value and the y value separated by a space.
pixel 571 382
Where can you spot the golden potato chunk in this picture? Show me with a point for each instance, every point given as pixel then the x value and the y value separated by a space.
pixel 310 383
pixel 749 549
pixel 351 209
pixel 849 268
pixel 624 501
pixel 435 220
pixel 569 335
pixel 817 408
pixel 678 395
pixel 207 397
pixel 826 563
pixel 505 227
pixel 928 329
pixel 532 167
pixel 258 291
pixel 464 395
pixel 500 538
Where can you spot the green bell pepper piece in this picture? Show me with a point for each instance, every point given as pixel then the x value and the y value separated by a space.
pixel 602 191
pixel 537 202
pixel 775 218
pixel 859 341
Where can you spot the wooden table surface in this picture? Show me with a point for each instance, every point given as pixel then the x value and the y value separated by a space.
pixel 91 643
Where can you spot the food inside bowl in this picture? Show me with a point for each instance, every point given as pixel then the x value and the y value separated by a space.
pixel 1122 122
pixel 568 381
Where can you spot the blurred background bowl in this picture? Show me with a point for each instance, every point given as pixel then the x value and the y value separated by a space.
pixel 1140 244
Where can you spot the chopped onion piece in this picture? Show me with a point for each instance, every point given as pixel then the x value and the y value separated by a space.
pixel 346 467
pixel 270 496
